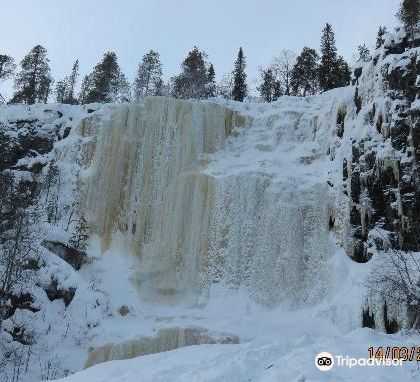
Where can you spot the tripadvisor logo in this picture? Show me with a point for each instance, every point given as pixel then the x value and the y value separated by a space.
pixel 324 361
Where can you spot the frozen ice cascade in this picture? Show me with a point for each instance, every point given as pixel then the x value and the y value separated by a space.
pixel 205 193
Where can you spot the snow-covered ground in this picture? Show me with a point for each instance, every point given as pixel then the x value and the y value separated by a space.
pixel 276 344
pixel 283 357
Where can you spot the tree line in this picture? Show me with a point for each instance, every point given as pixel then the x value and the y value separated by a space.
pixel 307 74
pixel 197 79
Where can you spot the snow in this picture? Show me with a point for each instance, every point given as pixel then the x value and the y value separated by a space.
pixel 195 227
pixel 282 358
pixel 281 148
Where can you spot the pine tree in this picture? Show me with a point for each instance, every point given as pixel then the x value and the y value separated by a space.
pixel 149 77
pixel 266 88
pixel 380 37
pixel 328 66
pixel 304 79
pixel 65 88
pixel 409 15
pixel 364 53
pixel 80 237
pixel 106 84
pixel 193 80
pixel 7 67
pixel 239 78
pixel 211 82
pixel 33 82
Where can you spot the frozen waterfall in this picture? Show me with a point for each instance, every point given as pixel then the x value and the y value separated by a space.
pixel 151 178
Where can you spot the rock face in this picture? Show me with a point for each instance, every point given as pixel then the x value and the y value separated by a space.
pixel 165 340
pixel 28 135
pixel 384 183
pixel 70 255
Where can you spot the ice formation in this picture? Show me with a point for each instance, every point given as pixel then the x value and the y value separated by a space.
pixel 154 177
pixel 165 340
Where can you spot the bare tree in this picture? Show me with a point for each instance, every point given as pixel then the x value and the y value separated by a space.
pixel 225 86
pixel 398 280
pixel 282 67
pixel 16 241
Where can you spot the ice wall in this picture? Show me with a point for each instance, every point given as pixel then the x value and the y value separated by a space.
pixel 165 340
pixel 190 227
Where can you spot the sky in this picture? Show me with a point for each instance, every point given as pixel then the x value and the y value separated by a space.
pixel 86 29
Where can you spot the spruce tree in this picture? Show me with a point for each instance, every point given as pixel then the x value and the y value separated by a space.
pixel 267 86
pixel 72 83
pixel 33 82
pixel 80 237
pixel 277 91
pixel 380 37
pixel 65 88
pixel 364 53
pixel 106 84
pixel 328 66
pixel 192 81
pixel 211 82
pixel 239 78
pixel 409 15
pixel 149 77
pixel 305 73
pixel 7 67
pixel 60 91
pixel 86 88
pixel 343 72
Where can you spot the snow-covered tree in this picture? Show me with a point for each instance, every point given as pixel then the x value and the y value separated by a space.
pixel 121 90
pixel 225 86
pixel 80 236
pixel 409 14
pixel 304 78
pixel 398 282
pixel 364 53
pixel 211 82
pixel 192 81
pixel 149 76
pixel 16 240
pixel 239 90
pixel 267 86
pixel 282 67
pixel 106 83
pixel 7 67
pixel 65 88
pixel 33 82
pixel 380 37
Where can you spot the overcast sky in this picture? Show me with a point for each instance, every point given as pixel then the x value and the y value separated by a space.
pixel 85 29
